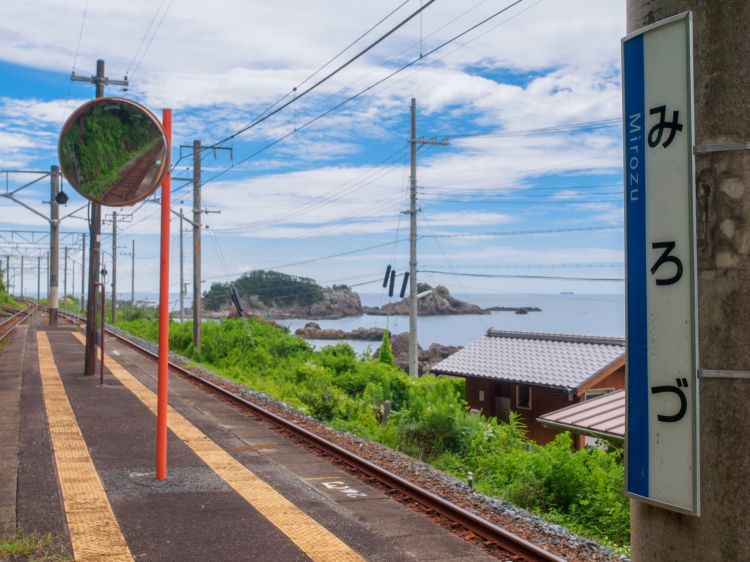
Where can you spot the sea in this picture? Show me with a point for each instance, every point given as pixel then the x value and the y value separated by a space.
pixel 565 313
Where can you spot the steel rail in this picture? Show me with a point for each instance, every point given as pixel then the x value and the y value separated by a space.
pixel 481 527
pixel 14 320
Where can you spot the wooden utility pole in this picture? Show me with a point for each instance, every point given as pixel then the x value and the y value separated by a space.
pixel 413 210
pixel 99 80
pixel 722 175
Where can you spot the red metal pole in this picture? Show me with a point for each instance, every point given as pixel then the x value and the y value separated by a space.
pixel 163 381
pixel 104 313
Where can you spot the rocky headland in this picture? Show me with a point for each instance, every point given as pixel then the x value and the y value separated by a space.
pixel 435 303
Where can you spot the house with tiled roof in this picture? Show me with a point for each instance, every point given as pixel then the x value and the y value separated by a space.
pixel 533 374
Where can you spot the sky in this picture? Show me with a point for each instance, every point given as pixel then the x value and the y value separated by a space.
pixel 526 197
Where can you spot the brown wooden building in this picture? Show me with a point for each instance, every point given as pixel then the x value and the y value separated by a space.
pixel 533 374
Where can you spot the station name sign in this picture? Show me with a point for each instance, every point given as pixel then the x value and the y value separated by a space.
pixel 662 392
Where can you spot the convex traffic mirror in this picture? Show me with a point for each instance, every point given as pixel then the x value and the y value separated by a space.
pixel 113 151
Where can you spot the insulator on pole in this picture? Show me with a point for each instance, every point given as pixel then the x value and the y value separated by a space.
pixel 387 275
pixel 236 300
pixel 404 285
pixel 393 282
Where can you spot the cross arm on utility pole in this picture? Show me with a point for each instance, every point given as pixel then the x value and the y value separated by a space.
pixel 100 80
pixel 432 141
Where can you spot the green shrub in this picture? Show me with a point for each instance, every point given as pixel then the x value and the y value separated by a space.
pixel 582 489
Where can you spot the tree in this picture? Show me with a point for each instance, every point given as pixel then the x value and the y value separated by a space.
pixel 385 355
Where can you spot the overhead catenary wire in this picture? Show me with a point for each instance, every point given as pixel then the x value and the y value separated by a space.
pixel 354 96
pixel 330 75
pixel 524 232
pixel 515 276
pixel 145 35
pixel 151 40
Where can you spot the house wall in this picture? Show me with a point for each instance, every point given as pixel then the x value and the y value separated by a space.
pixel 543 401
pixel 615 379
pixel 473 389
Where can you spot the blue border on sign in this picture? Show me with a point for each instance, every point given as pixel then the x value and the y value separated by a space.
pixel 637 329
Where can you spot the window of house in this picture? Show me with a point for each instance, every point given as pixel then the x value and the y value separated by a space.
pixel 523 397
pixel 481 395
pixel 594 392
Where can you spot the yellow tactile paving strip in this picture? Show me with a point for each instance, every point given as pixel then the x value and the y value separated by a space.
pixel 311 537
pixel 94 532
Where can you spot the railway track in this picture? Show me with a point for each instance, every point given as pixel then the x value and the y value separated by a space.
pixel 487 530
pixel 9 323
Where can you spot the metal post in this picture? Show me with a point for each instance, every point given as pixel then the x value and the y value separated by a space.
pixel 197 245
pixel 83 273
pixel 21 275
pixel 7 273
pixel 413 346
pixel 182 269
pixel 132 274
pixel 163 367
pixel 114 267
pixel 38 278
pixel 722 172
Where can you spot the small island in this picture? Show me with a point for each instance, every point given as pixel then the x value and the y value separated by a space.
pixel 276 296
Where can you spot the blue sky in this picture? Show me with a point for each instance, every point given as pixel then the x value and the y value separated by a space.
pixel 503 95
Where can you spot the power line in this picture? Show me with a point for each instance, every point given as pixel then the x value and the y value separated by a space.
pixel 80 36
pixel 354 96
pixel 380 169
pixel 500 276
pixel 153 36
pixel 520 232
pixel 145 35
pixel 341 254
pixel 536 266
pixel 601 124
pixel 330 75
pixel 350 45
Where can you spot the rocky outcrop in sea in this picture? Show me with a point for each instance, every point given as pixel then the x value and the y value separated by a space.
pixel 437 302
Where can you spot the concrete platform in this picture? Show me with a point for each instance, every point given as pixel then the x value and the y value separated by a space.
pixel 236 490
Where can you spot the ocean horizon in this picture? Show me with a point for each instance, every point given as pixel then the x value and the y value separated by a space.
pixel 566 313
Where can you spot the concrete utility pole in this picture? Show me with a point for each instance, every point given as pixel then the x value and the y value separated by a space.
pixel 414 141
pixel 99 80
pixel 197 149
pixel 114 267
pixel 132 274
pixel 722 172
pixel 197 155
pixel 182 272
pixel 65 273
pixel 54 245
pixel 83 273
